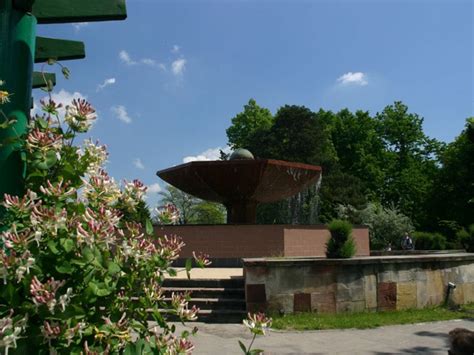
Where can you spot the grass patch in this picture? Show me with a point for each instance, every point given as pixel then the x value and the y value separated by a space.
pixel 315 321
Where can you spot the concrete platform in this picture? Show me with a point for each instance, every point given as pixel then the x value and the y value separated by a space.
pixel 211 273
pixel 422 338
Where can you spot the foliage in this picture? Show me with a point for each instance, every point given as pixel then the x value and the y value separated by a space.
pixel 386 224
pixel 454 185
pixel 254 118
pixel 207 212
pixel 341 244
pixel 466 238
pixel 81 274
pixel 429 241
pixel 384 159
pixel 181 200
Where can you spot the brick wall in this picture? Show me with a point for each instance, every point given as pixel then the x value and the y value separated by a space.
pixel 250 241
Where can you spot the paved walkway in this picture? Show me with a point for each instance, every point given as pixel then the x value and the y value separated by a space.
pixel 423 338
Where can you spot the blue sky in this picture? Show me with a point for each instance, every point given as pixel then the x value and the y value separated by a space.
pixel 167 81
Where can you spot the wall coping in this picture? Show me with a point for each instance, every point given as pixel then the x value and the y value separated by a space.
pixel 361 260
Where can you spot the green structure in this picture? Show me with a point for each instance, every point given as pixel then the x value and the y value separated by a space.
pixel 20 49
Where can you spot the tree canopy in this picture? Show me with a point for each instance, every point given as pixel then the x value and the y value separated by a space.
pixel 386 159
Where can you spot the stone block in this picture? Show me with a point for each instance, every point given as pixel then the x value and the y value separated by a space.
pixel 406 295
pixel 421 298
pixel 387 296
pixel 255 293
pixel 302 302
pixel 468 292
pixel 282 303
pixel 319 277
pixel 457 295
pixel 353 291
pixel 323 302
pixel 256 274
pixel 435 287
pixel 350 307
pixel 370 291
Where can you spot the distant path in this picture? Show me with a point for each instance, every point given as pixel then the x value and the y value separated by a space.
pixel 422 338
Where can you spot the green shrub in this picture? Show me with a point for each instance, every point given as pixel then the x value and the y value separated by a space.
pixel 429 241
pixel 466 238
pixel 341 244
pixel 387 224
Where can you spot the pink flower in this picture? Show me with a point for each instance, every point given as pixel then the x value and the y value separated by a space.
pixel 45 294
pixel 257 323
pixel 201 259
pixel 80 115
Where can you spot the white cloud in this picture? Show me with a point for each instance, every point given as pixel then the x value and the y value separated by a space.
pixel 138 164
pixel 178 66
pixel 148 61
pixel 154 188
pixel 175 49
pixel 79 25
pixel 210 154
pixel 350 78
pixel 106 82
pixel 121 113
pixel 125 57
pixel 152 194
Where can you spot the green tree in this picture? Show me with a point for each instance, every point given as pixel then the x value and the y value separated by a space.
pixel 193 210
pixel 454 186
pixel 246 123
pixel 412 162
pixel 207 212
pixel 183 201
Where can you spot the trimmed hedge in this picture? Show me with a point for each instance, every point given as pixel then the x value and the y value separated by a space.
pixel 429 241
pixel 341 244
pixel 466 238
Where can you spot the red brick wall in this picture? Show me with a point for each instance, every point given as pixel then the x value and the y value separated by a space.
pixel 311 241
pixel 247 241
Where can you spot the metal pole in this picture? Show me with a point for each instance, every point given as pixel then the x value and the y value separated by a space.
pixel 17 46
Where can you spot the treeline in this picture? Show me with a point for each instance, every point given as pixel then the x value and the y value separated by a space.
pixel 383 161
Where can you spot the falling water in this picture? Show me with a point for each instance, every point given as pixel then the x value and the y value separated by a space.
pixel 303 208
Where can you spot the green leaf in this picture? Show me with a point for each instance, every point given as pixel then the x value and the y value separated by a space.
pixel 242 346
pixel 149 227
pixel 53 247
pixel 47 161
pixel 256 351
pixel 42 122
pixel 189 266
pixel 65 268
pixel 67 244
pixel 99 289
pixel 114 268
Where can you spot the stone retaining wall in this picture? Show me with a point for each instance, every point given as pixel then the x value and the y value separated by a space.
pixel 360 284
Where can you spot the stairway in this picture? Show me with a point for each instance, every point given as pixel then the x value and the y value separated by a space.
pixel 219 300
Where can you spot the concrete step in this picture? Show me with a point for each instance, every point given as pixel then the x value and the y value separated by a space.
pixel 237 282
pixel 216 303
pixel 215 316
pixel 207 292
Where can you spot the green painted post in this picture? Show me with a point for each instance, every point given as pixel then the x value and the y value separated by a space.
pixel 17 51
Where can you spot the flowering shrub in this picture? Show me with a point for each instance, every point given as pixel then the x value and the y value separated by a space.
pixel 257 324
pixel 79 274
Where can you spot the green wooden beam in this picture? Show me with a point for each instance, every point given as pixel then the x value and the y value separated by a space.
pixel 64 11
pixel 58 49
pixel 39 79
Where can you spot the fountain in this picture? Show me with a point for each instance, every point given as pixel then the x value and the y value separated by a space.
pixel 242 182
